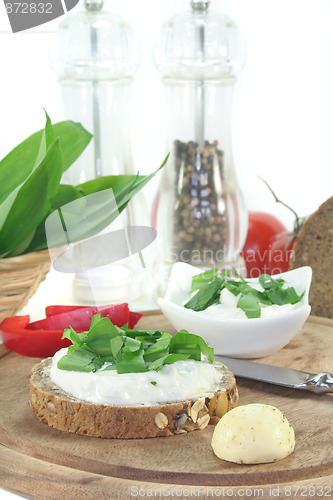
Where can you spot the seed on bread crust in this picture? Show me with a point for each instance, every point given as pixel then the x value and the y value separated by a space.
pixel 161 420
pixel 222 404
pixel 197 406
pixel 51 407
pixel 65 412
pixel 203 422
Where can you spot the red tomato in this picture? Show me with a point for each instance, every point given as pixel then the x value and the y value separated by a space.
pixel 262 228
pixel 278 256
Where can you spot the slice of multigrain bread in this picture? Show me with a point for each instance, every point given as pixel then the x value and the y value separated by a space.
pixel 61 410
pixel 314 247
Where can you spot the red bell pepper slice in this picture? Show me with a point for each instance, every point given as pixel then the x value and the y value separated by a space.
pixel 60 309
pixel 52 310
pixel 134 318
pixel 80 318
pixel 43 338
pixel 36 343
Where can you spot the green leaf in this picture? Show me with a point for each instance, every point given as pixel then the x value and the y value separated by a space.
pixel 267 282
pixel 38 241
pixel 49 132
pixel 99 336
pixel 207 295
pixel 106 342
pixel 110 367
pixel 91 214
pixel 172 358
pixel 183 338
pixel 132 344
pixel 132 362
pixel 203 278
pixel 233 287
pixel 80 359
pixel 246 289
pixel 77 339
pixel 193 350
pixel 124 186
pixel 46 140
pixel 20 162
pixel 159 348
pixel 121 184
pixel 95 319
pixel 74 139
pixel 142 333
pixel 250 305
pixel 33 200
pixel 284 296
pixel 65 194
pixel 167 360
pixel 22 247
pixel 116 343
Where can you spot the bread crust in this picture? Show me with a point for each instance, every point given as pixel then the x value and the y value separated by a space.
pixel 314 247
pixel 61 410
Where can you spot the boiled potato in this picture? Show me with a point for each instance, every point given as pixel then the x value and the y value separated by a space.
pixel 252 434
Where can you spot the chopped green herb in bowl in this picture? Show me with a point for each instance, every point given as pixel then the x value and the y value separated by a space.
pixel 238 317
pixel 249 297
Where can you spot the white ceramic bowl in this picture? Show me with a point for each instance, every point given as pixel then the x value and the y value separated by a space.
pixel 239 338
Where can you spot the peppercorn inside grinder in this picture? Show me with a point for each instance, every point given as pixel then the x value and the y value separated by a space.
pixel 199 211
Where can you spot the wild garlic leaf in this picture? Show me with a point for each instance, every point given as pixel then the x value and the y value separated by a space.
pixel 21 161
pixel 202 279
pixel 250 305
pixel 206 296
pixel 183 338
pixel 159 348
pixel 33 200
pixel 106 342
pixel 132 345
pixel 99 336
pixel 167 360
pixel 80 359
pixel 116 344
pixel 76 338
pixel 131 362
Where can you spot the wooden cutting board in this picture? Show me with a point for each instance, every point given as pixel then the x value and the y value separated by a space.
pixel 43 463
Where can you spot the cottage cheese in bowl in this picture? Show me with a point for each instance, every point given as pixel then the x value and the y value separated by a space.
pixel 227 308
pixel 226 327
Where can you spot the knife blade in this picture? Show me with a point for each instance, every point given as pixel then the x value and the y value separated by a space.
pixel 319 383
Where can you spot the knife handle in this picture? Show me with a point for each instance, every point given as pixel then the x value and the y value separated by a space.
pixel 321 383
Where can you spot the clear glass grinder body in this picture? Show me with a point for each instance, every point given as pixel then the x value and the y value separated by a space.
pixel 199 211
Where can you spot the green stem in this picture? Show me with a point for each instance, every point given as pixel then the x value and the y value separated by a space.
pixel 298 224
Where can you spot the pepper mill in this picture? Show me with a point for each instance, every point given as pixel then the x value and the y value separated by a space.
pixel 199 211
pixel 96 55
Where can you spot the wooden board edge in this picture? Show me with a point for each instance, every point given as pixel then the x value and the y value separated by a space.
pixel 38 480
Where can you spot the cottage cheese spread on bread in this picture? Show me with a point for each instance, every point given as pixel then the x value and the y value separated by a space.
pixel 179 381
pixel 61 410
pixel 121 383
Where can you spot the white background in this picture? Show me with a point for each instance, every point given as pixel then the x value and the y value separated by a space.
pixel 283 109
